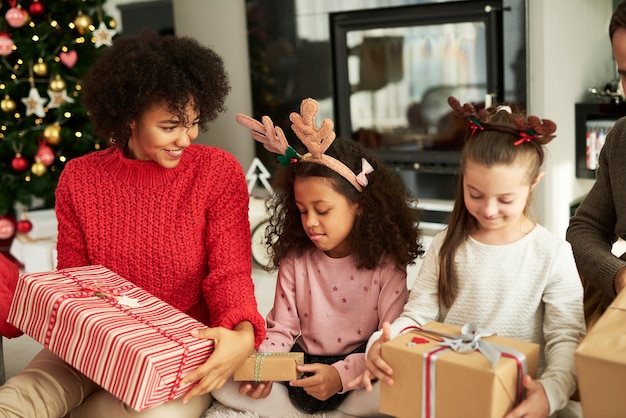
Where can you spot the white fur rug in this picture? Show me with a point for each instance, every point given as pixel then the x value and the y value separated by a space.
pixel 217 410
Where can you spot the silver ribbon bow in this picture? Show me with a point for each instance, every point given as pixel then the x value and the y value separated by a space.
pixel 470 340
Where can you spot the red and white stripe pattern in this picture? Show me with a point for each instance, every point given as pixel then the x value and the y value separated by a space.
pixel 138 354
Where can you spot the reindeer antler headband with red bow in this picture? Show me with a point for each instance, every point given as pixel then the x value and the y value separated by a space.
pixel 527 129
pixel 316 140
pixel 531 129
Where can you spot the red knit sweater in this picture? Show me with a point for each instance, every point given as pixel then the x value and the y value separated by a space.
pixel 181 234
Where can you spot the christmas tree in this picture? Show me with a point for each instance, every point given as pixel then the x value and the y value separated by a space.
pixel 46 47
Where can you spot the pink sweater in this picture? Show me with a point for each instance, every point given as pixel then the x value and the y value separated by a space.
pixel 329 307
pixel 181 234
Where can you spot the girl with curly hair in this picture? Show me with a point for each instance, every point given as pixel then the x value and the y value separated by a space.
pixel 496 267
pixel 342 231
pixel 168 215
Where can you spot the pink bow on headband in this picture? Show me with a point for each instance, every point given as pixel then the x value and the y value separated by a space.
pixel 366 168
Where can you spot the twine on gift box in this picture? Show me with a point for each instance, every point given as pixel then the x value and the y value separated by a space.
pixel 258 362
pixel 108 294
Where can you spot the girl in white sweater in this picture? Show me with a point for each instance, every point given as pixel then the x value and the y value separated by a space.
pixel 496 267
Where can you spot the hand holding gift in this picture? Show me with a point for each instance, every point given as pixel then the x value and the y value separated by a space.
pixel 259 370
pixel 231 347
pixel 377 368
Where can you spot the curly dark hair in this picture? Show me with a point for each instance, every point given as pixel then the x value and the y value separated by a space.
pixel 388 223
pixel 141 71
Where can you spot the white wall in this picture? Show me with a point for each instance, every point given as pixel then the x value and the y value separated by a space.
pixel 569 51
pixel 221 25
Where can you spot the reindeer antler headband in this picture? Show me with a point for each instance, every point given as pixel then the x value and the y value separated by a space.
pixel 531 129
pixel 528 129
pixel 316 140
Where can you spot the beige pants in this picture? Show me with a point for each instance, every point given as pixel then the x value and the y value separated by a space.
pixel 50 388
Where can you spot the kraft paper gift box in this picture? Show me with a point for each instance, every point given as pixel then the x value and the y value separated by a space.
pixel 270 367
pixel 601 364
pixel 131 343
pixel 431 380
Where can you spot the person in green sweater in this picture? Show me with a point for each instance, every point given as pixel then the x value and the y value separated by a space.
pixel 168 215
pixel 601 218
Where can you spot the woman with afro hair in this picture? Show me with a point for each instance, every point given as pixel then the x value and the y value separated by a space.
pixel 168 215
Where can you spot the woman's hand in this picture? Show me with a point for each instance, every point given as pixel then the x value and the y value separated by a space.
pixel 324 382
pixel 535 405
pixel 232 347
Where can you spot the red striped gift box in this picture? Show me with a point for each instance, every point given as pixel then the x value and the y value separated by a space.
pixel 131 343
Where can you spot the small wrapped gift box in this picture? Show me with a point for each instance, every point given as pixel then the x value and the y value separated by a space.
pixel 131 343
pixel 270 367
pixel 438 372
pixel 601 364
pixel 44 224
pixel 36 255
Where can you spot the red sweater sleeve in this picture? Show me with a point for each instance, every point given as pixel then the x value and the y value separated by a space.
pixel 228 289
pixel 8 282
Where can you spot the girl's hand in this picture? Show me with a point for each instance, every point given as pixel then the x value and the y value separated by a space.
pixel 232 347
pixel 324 383
pixel 255 390
pixel 535 405
pixel 377 368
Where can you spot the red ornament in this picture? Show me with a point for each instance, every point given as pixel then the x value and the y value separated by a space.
pixel 45 154
pixel 24 226
pixel 6 44
pixel 16 17
pixel 19 163
pixel 7 227
pixel 36 8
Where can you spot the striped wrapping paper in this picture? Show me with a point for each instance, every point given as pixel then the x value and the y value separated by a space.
pixel 137 353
